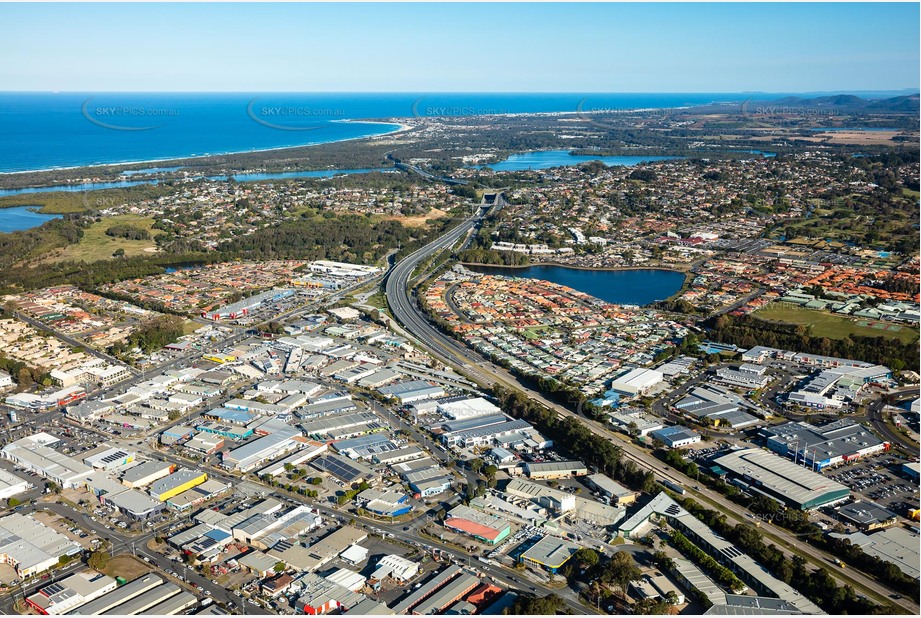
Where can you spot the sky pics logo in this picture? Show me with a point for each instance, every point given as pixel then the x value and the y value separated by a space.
pixel 292 117
pixel 120 117
pixel 422 108
pixel 749 107
pixel 607 117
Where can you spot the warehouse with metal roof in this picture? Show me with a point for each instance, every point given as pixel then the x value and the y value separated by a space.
pixel 549 553
pixel 107 602
pixel 819 446
pixel 779 478
pixel 481 526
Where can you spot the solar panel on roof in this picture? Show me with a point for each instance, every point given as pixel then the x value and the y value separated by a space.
pixel 732 552
pixel 52 589
pixel 340 469
pixel 283 546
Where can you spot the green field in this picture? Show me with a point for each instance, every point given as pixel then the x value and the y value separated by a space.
pixel 95 245
pixel 825 324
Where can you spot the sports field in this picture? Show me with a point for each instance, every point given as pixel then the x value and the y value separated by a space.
pixel 825 324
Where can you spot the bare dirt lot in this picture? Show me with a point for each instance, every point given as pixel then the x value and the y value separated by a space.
pixel 127 566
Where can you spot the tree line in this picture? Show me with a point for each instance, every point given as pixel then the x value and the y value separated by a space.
pixel 747 331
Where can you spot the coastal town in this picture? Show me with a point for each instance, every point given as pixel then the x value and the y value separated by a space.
pixel 266 436
pixel 461 354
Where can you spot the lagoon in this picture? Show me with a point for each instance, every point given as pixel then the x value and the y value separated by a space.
pixel 622 287
pixel 544 159
pixel 22 218
pixel 248 177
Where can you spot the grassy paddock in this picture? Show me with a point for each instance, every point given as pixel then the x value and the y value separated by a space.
pixel 95 245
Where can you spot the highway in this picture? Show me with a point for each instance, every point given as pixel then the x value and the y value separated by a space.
pixel 877 420
pixel 416 325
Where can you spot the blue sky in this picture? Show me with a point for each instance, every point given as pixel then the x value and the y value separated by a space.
pixel 460 48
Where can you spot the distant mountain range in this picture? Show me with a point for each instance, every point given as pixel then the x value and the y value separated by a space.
pixel 848 102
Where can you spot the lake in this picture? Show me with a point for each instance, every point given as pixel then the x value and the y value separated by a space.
pixel 22 218
pixel 545 159
pixel 622 287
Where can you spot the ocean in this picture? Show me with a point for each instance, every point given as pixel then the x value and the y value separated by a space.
pixel 41 131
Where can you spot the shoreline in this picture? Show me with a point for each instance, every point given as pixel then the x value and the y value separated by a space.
pixel 679 291
pixel 400 128
pixel 592 268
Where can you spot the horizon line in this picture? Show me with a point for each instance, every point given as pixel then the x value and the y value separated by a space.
pixel 907 91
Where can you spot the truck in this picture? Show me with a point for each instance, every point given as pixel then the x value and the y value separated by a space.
pixel 675 487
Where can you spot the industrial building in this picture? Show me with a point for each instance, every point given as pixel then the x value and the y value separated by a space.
pixel 636 382
pixel 432 486
pixel 11 485
pixel 412 391
pixel 143 602
pixel 261 450
pixel 555 469
pixel 174 605
pixel 395 567
pixel 36 454
pixel 481 526
pixel 746 568
pixel 837 442
pixel 31 547
pixel 109 459
pixel 549 553
pixel 364 447
pixel 461 407
pixel 309 450
pixel 718 405
pixel 320 427
pixel 611 489
pixel 634 422
pixel 176 433
pixel 201 493
pixel 480 430
pixel 406 453
pixel 866 516
pixel 563 502
pixel 176 483
pixel 912 470
pixel 838 384
pixel 675 436
pixel 346 470
pixel 246 306
pixel 343 269
pixel 897 546
pixel 321 552
pixel 107 603
pixel 745 376
pixel 778 478
pixel 146 473
pixel 319 595
pixel 435 583
pixel 71 592
pixel 447 595
pixel 204 443
pixel 385 503
pixel 132 503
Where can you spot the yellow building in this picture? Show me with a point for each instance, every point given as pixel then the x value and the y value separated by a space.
pixel 219 358
pixel 176 483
